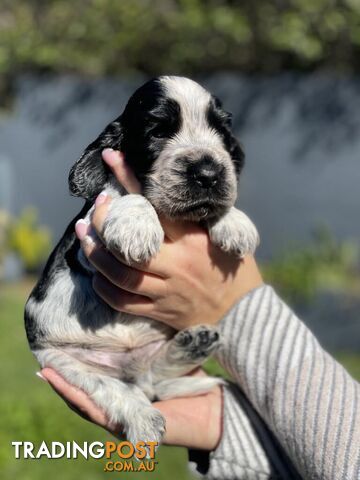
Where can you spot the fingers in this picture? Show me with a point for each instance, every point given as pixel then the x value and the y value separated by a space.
pixel 116 272
pixel 115 160
pixel 122 300
pixel 76 399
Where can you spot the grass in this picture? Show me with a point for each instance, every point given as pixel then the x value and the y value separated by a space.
pixel 30 411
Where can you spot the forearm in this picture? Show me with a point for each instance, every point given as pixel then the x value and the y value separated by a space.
pixel 305 397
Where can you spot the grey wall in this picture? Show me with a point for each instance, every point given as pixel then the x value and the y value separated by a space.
pixel 301 137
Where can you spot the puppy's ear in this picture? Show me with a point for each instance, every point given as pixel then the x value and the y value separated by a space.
pixel 89 175
pixel 236 153
pixel 222 122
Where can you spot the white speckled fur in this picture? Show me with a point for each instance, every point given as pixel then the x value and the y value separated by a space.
pixel 133 229
pixel 234 233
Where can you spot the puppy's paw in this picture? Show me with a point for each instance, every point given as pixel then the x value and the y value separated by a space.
pixel 234 233
pixel 197 343
pixel 132 228
pixel 147 425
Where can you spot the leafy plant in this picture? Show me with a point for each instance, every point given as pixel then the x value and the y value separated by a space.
pixel 29 240
pixel 4 225
pixel 112 37
pixel 324 264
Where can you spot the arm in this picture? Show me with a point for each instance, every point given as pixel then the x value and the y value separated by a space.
pixel 307 399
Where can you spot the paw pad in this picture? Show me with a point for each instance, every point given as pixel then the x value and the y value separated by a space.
pixel 198 342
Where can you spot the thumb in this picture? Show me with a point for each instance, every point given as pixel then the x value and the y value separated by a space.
pixel 116 161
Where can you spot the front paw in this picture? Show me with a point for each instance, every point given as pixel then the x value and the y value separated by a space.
pixel 234 233
pixel 132 229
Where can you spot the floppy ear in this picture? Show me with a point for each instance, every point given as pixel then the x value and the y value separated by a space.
pixel 89 175
pixel 236 152
pixel 222 121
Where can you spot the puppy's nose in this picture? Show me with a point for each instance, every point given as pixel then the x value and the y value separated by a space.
pixel 206 172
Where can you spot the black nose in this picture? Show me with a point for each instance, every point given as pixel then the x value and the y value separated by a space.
pixel 206 172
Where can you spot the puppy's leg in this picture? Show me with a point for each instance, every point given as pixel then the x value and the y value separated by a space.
pixel 186 351
pixel 234 233
pixel 124 405
pixel 185 387
pixel 133 229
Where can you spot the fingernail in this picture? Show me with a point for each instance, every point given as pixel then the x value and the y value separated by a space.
pixel 100 199
pixel 81 228
pixel 109 150
pixel 112 157
pixel 39 374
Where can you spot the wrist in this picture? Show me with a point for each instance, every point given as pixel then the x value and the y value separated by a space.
pixel 246 278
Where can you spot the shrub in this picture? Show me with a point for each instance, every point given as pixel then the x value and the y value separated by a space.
pixel 29 240
pixel 323 264
pixel 4 225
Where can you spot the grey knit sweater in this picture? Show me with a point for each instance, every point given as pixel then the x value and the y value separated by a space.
pixel 294 411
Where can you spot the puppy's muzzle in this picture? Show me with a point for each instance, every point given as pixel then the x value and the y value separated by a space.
pixel 205 172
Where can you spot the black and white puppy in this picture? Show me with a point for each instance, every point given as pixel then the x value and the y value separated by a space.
pixel 178 141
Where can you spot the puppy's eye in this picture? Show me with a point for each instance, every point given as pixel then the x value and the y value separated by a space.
pixel 158 132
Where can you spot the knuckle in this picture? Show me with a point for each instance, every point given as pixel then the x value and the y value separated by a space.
pixel 122 303
pixel 97 284
pixel 95 253
pixel 126 277
pixel 90 244
pixel 87 247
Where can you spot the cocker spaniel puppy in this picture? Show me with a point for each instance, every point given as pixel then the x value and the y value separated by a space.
pixel 178 141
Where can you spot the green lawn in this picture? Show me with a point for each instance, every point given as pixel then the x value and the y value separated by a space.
pixel 29 410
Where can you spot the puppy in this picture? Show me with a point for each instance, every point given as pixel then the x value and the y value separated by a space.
pixel 178 141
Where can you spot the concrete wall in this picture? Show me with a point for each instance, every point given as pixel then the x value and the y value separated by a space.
pixel 301 138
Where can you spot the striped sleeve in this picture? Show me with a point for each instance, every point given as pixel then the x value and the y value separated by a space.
pixel 308 401
pixel 248 449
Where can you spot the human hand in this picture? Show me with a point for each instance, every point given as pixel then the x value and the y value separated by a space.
pixel 189 282
pixel 193 422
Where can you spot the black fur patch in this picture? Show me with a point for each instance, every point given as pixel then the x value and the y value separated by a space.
pixel 63 256
pixel 149 119
pixel 220 120
pixel 89 174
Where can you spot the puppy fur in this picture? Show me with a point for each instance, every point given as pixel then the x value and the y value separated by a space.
pixel 178 141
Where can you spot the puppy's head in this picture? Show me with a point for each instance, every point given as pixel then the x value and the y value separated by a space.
pixel 178 141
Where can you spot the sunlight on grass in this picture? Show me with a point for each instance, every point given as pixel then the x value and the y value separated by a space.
pixel 31 411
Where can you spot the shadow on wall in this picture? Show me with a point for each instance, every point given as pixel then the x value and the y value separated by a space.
pixel 299 134
pixel 325 109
